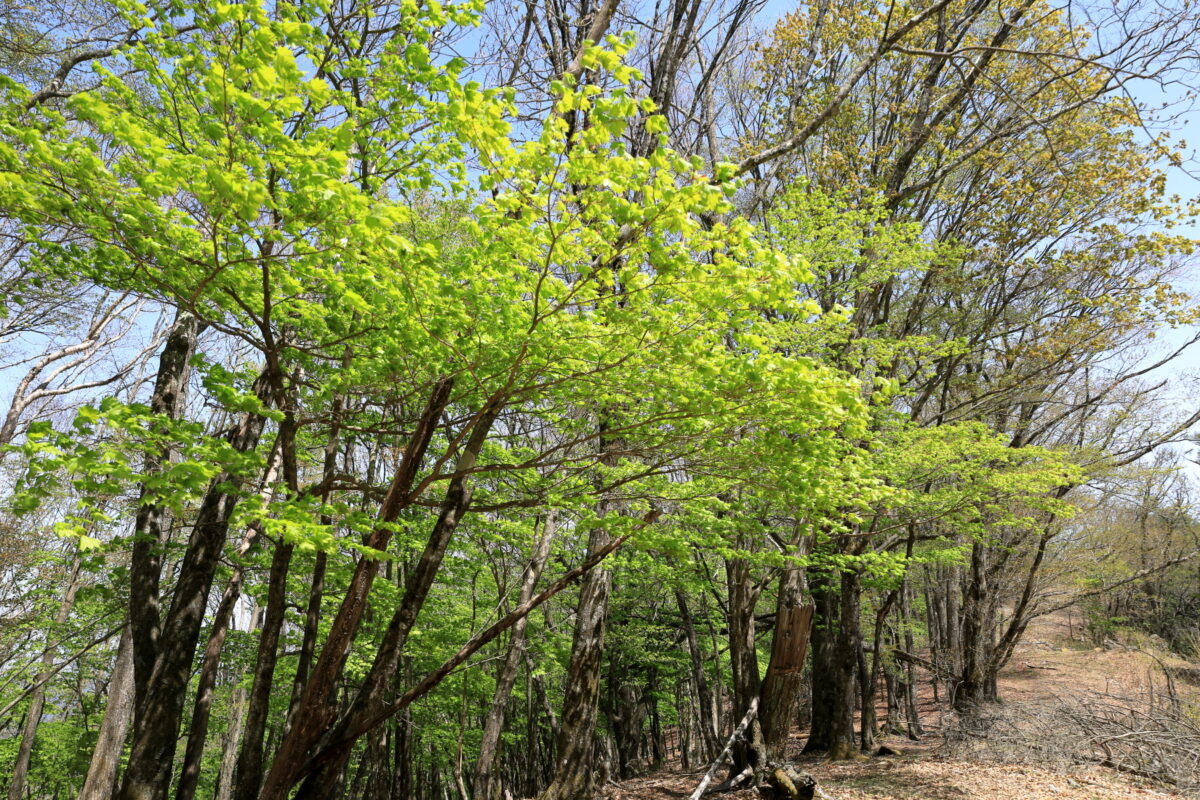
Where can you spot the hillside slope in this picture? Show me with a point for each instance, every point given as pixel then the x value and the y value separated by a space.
pixel 1068 710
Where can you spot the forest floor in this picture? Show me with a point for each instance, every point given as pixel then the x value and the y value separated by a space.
pixel 1032 750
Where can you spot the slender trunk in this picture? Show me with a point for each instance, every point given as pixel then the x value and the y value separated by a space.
pixel 685 712
pixel 627 713
pixel 710 741
pixel 486 783
pixel 202 709
pixel 101 781
pixel 315 713
pixel 402 783
pixel 824 652
pixel 870 680
pixel 908 676
pixel 539 685
pixel 323 782
pixel 893 689
pixel 843 743
pixel 145 566
pixel 248 776
pixel 312 614
pixel 743 658
pixel 37 699
pixel 375 763
pixel 976 634
pixel 233 741
pixel 308 641
pixel 459 781
pixel 657 743
pixel 868 722
pixel 574 777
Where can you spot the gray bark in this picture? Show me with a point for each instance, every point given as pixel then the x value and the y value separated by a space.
pixel 101 781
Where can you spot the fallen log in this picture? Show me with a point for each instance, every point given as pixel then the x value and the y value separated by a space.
pixel 786 783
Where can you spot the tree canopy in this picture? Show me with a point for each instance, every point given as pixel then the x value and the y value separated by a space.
pixel 368 357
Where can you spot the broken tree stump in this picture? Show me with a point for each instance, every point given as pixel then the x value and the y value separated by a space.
pixel 785 782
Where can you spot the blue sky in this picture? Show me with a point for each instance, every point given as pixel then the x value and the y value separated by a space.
pixel 1184 181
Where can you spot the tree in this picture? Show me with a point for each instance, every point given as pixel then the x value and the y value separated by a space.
pixel 572 298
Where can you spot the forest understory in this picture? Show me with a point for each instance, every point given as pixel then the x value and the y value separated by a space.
pixel 1029 750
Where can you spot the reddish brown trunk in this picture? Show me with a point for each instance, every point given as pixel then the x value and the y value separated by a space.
pixel 314 714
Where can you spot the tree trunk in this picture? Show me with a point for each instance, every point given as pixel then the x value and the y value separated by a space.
pixel 486 783
pixel 402 783
pixel 312 614
pixel 868 721
pixel 843 743
pixel 148 775
pixel 977 632
pixel 201 710
pixel 785 672
pixel 743 659
pixel 870 679
pixel 657 744
pixel 574 776
pixel 37 699
pixel 248 776
pixel 626 712
pixel 314 714
pixel 824 651
pixel 145 565
pixel 375 764
pixel 101 781
pixel 322 782
pixel 539 685
pixel 233 742
pixel 308 641
pixel 709 739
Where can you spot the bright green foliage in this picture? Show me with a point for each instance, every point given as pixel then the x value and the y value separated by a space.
pixel 357 223
pixel 299 219
pixel 362 227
